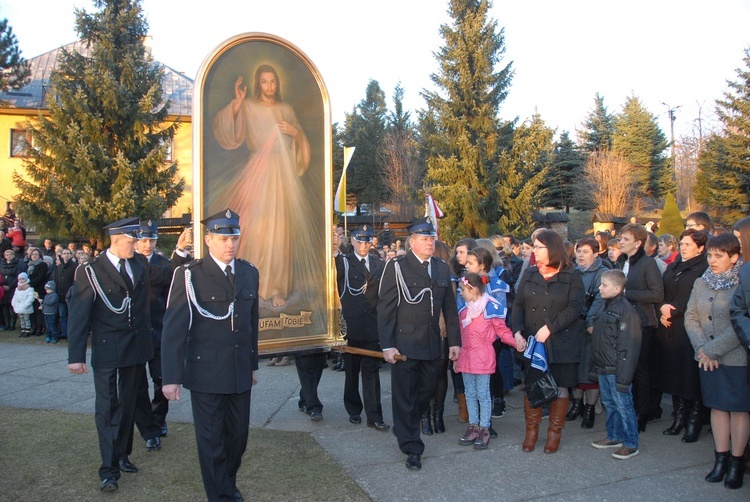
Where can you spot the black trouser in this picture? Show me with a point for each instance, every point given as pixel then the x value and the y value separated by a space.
pixel 221 429
pixel 441 381
pixel 145 419
pixel 116 390
pixel 370 369
pixel 310 370
pixel 645 397
pixel 412 387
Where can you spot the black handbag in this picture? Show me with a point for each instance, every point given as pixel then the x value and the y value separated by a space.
pixel 540 387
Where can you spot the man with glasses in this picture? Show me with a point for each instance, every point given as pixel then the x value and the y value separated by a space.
pixel 700 221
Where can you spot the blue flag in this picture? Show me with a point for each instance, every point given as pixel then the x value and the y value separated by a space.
pixel 537 353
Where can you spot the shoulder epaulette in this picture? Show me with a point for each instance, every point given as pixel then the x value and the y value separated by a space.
pixel 439 259
pixel 241 260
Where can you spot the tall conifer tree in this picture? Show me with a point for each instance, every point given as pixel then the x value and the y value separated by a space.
pixel 641 141
pixel 723 179
pixel 14 70
pixel 598 128
pixel 464 129
pixel 565 170
pixel 101 154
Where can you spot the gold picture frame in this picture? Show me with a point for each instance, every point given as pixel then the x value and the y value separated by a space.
pixel 262 143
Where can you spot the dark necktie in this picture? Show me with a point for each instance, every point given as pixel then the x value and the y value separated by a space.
pixel 426 265
pixel 125 276
pixel 364 264
pixel 230 275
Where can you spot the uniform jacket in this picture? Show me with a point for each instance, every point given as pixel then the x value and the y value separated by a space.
pixel 360 311
pixel 709 326
pixel 616 343
pixel 204 354
pixel 644 289
pixel 414 329
pixel 23 301
pixel 558 303
pixel 160 273
pixel 477 355
pixel 117 340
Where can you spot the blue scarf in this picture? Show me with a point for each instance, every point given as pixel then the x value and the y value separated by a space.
pixel 725 280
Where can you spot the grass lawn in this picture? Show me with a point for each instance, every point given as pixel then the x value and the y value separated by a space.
pixel 54 456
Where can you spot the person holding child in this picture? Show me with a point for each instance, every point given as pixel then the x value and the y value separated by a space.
pixel 482 323
pixel 616 345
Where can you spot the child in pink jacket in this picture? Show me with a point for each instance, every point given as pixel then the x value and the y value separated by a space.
pixel 482 323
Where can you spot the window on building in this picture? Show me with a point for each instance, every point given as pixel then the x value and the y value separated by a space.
pixel 19 143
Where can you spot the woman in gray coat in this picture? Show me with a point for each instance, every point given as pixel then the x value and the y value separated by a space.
pixel 721 357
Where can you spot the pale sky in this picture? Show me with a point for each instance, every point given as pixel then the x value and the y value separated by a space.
pixel 663 51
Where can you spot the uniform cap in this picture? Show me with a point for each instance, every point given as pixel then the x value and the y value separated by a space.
pixel 363 234
pixel 126 226
pixel 149 230
pixel 226 222
pixel 422 226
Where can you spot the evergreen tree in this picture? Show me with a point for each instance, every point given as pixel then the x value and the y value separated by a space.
pixel 598 128
pixel 101 154
pixel 723 179
pixel 365 129
pixel 565 170
pixel 638 137
pixel 464 133
pixel 671 220
pixel 399 120
pixel 14 70
pixel 524 167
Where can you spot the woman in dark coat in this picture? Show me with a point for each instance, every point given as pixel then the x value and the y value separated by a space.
pixel 675 368
pixel 9 270
pixel 548 306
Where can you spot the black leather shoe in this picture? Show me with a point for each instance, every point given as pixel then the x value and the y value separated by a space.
pixel 164 430
pixel 238 496
pixel 153 444
pixel 109 485
pixel 414 462
pixel 127 466
pixel 380 426
pixel 355 419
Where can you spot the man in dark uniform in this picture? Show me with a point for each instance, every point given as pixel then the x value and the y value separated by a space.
pixel 210 345
pixel 414 290
pixel 358 277
pixel 110 295
pixel 151 416
pixel 386 237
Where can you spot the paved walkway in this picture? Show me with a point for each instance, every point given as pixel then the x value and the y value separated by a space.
pixel 35 376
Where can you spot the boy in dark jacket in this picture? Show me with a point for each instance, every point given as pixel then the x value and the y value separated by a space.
pixel 616 344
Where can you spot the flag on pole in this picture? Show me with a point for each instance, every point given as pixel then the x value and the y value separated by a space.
pixel 432 211
pixel 339 201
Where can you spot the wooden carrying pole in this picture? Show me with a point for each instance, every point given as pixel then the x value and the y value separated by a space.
pixel 365 352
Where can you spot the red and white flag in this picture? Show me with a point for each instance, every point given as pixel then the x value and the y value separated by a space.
pixel 432 211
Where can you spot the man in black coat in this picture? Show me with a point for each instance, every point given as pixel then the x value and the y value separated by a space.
pixel 358 278
pixel 110 295
pixel 64 276
pixel 644 289
pixel 210 345
pixel 414 290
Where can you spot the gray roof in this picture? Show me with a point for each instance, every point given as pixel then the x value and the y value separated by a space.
pixel 177 87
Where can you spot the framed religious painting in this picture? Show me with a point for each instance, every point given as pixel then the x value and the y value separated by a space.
pixel 262 148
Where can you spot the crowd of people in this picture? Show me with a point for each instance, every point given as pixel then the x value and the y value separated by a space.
pixel 617 321
pixel 625 318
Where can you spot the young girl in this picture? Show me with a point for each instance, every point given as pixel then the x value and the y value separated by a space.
pixel 481 323
pixel 23 303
